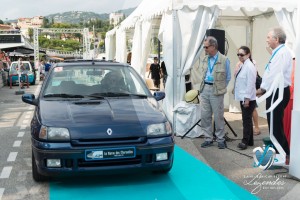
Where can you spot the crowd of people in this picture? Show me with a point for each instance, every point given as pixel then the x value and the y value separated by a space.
pixel 215 76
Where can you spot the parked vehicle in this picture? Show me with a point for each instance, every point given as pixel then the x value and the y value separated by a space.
pixel 27 69
pixel 97 117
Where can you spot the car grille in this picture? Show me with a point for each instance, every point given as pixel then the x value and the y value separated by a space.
pixel 110 141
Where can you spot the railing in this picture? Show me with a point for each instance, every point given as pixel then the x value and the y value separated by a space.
pixel 12 32
pixel 54 52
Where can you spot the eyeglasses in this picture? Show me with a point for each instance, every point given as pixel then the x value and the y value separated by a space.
pixel 206 47
pixel 239 54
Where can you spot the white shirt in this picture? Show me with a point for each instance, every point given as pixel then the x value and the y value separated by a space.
pixel 244 86
pixel 282 61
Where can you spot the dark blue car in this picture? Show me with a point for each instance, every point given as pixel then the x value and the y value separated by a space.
pixel 97 117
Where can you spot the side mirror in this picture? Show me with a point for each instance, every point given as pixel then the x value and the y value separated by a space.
pixel 30 99
pixel 159 95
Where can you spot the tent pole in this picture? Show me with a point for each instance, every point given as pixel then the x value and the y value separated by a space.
pixel 175 64
pixel 294 169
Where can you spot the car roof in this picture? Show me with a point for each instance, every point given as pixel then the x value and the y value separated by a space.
pixel 24 61
pixel 91 62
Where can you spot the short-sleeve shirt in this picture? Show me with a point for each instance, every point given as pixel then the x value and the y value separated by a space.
pixel 155 69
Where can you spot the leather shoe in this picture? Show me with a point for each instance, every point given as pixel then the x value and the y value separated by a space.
pixel 222 145
pixel 207 144
pixel 242 146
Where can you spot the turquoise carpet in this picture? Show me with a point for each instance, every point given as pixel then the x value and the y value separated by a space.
pixel 189 179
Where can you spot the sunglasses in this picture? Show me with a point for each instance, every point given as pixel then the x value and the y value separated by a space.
pixel 206 47
pixel 239 54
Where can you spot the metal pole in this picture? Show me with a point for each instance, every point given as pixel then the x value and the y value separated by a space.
pixel 175 64
pixel 158 49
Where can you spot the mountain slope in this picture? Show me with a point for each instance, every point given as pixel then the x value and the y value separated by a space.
pixel 75 17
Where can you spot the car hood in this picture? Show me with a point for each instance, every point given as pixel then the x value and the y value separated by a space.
pixel 90 119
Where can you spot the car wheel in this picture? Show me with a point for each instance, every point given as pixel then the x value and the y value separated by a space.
pixel 35 174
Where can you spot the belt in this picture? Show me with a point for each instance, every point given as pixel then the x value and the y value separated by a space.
pixel 207 83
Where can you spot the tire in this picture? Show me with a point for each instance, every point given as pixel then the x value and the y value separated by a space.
pixel 33 82
pixel 35 174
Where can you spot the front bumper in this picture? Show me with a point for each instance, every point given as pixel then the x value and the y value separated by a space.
pixel 73 159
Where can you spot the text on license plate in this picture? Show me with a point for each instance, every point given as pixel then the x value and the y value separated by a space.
pixel 114 153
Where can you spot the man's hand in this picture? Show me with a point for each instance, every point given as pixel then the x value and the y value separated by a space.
pixel 260 92
pixel 246 103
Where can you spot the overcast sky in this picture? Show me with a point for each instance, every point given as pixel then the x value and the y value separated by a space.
pixel 14 9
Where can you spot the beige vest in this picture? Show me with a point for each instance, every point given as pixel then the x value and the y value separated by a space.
pixel 219 74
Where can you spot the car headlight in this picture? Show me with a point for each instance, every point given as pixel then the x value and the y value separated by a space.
pixel 54 134
pixel 159 129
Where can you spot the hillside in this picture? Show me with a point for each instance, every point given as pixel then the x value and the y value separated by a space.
pixel 75 17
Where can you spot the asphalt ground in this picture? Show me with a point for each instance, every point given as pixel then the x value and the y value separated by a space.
pixel 232 163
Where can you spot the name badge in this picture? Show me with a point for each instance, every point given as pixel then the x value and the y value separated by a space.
pixel 210 78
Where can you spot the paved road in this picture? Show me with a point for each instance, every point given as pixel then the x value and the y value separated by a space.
pixel 15 154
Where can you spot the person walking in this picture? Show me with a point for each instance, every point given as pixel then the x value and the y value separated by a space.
pixel 215 70
pixel 155 72
pixel 245 93
pixel 164 73
pixel 280 62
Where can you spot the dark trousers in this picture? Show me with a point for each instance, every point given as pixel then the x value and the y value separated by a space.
pixel 278 113
pixel 156 82
pixel 247 123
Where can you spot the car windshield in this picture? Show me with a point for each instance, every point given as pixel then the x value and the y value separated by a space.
pixel 24 67
pixel 94 81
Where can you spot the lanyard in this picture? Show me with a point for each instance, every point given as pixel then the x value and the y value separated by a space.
pixel 273 54
pixel 211 67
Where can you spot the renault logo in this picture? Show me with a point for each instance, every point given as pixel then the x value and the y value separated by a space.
pixel 109 131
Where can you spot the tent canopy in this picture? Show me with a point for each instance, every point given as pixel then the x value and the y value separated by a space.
pixel 182 28
pixel 149 9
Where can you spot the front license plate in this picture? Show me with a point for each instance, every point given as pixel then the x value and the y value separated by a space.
pixel 114 153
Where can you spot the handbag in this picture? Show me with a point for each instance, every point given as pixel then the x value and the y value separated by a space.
pixel 258 81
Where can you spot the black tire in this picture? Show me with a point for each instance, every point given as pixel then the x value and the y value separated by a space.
pixel 35 174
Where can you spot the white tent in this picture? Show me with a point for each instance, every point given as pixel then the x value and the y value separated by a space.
pixel 183 27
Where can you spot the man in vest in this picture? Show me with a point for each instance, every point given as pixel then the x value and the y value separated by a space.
pixel 215 76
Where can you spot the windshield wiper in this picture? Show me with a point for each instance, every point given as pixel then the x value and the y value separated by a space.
pixel 139 95
pixel 122 94
pixel 63 95
pixel 96 95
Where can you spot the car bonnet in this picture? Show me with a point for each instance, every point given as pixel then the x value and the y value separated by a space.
pixel 92 119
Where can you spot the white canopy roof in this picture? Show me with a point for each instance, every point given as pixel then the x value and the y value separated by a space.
pixel 149 9
pixel 182 30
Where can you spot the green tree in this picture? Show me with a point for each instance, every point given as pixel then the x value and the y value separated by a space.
pixel 30 34
pixel 46 23
pixel 1 22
